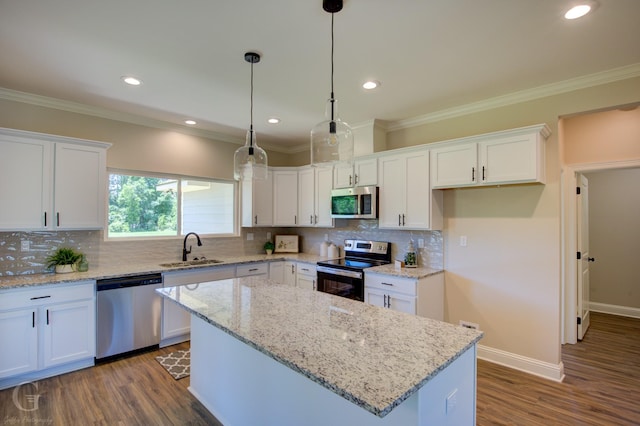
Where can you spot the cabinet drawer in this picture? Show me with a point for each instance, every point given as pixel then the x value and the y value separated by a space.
pixel 252 269
pixel 406 286
pixel 306 269
pixel 44 295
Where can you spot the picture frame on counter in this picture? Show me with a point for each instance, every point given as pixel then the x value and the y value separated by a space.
pixel 286 244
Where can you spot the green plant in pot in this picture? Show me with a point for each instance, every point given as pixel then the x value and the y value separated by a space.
pixel 64 260
pixel 268 247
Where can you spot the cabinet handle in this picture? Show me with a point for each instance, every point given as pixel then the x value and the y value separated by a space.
pixel 311 219
pixel 389 301
pixel 316 217
pixel 305 269
pixel 58 219
pixel 403 219
pixel 387 284
pixel 292 269
pixel 483 178
pixel 40 297
pixel 47 317
pixel 473 174
pixel 385 300
pixel 253 269
pixel 33 319
pixel 314 284
pixel 399 223
pixel 350 183
pixel 255 220
pixel 356 178
pixel 45 219
pixel 295 219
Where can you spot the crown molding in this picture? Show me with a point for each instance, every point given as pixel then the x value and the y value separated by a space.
pixel 564 86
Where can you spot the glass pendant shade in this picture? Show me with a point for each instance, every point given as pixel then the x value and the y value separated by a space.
pixel 332 139
pixel 250 161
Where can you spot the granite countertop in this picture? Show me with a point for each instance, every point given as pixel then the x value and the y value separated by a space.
pixel 419 272
pixel 148 267
pixel 373 357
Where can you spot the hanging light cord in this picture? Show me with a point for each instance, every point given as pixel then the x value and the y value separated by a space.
pixel 251 111
pixel 332 128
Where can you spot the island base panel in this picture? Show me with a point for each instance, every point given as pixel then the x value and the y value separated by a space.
pixel 240 385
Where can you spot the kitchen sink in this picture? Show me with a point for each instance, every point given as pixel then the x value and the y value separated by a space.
pixel 191 263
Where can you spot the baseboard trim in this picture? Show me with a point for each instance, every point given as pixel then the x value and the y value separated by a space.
pixel 536 367
pixel 624 311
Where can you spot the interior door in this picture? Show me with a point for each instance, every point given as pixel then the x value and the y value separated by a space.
pixel 584 259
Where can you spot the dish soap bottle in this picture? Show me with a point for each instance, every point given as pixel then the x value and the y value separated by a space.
pixel 410 259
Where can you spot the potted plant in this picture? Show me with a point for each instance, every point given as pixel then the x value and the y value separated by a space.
pixel 268 247
pixel 64 260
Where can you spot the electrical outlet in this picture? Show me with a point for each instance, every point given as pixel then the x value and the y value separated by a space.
pixel 25 245
pixel 269 236
pixel 471 325
pixel 420 242
pixel 249 236
pixel 463 241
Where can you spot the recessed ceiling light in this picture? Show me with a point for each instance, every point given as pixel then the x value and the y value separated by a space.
pixel 273 120
pixel 190 122
pixel 371 84
pixel 132 80
pixel 579 10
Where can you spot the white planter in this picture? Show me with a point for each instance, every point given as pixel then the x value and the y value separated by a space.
pixel 269 251
pixel 65 269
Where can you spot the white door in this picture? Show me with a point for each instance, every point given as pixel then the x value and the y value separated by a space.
pixel 323 188
pixel 69 332
pixel 583 249
pixel 18 342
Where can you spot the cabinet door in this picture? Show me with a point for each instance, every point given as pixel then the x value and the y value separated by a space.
pixel 510 160
pixel 285 198
pixel 276 272
pixel 374 296
pixel 18 342
pixel 366 172
pixel 25 172
pixel 418 192
pixel 343 176
pixel 323 187
pixel 306 281
pixel 257 201
pixel 69 332
pixel 290 273
pixel 393 191
pixel 306 208
pixel 401 303
pixel 454 166
pixel 79 187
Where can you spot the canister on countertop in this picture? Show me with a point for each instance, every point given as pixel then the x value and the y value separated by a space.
pixel 333 251
pixel 324 247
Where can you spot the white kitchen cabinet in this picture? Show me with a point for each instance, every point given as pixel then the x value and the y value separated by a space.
pixel 511 157
pixel 363 172
pixel 46 329
pixel 285 197
pixel 250 269
pixel 406 200
pixel 306 276
pixel 417 296
pixel 176 322
pixel 257 201
pixel 276 271
pixel 314 196
pixel 51 182
pixel 290 276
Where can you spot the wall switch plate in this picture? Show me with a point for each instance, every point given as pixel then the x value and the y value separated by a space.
pixel 463 240
pixel 25 245
pixel 269 236
pixel 249 236
pixel 420 242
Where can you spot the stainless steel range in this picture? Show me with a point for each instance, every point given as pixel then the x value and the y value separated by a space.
pixel 345 277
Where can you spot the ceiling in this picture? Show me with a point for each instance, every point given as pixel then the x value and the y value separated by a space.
pixel 429 55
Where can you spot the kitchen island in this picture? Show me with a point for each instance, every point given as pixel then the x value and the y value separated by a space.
pixel 263 353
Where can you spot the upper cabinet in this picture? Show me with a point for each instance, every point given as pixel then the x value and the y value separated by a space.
pixel 406 199
pixel 285 197
pixel 510 157
pixel 257 201
pixel 363 172
pixel 314 196
pixel 51 182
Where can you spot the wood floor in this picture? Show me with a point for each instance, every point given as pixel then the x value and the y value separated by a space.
pixel 602 387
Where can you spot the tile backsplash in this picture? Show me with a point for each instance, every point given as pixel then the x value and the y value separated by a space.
pixel 14 261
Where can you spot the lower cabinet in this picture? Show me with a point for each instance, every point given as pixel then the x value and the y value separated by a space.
pixel 306 276
pixel 290 276
pixel 176 322
pixel 46 330
pixel 276 271
pixel 417 296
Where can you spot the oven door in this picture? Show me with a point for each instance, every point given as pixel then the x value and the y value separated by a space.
pixel 341 282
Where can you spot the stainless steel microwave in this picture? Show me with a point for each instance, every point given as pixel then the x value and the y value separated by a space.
pixel 360 202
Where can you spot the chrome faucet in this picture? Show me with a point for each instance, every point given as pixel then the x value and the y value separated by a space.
pixel 185 252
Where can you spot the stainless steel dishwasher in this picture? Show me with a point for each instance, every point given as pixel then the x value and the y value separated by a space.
pixel 128 314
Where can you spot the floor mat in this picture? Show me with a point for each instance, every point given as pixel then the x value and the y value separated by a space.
pixel 177 363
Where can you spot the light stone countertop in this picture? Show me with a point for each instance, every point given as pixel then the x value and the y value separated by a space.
pixel 148 267
pixel 419 272
pixel 373 357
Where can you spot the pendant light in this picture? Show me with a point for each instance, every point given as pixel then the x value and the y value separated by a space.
pixel 250 161
pixel 332 139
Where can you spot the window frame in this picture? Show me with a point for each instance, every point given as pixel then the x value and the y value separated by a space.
pixel 179 178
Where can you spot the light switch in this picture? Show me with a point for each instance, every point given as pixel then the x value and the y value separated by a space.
pixel 249 236
pixel 269 236
pixel 25 245
pixel 420 242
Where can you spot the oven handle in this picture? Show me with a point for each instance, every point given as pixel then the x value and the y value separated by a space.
pixel 341 272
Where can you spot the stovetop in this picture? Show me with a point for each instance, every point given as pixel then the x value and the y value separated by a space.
pixel 353 263
pixel 361 254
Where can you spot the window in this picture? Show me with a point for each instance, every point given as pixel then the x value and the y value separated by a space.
pixel 147 206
